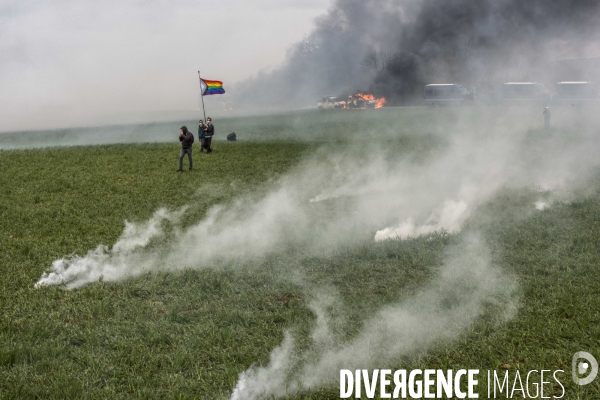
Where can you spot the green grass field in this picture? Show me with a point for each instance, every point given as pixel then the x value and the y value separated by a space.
pixel 189 335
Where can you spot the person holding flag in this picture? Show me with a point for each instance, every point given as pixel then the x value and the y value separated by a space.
pixel 208 134
pixel 207 88
pixel 201 131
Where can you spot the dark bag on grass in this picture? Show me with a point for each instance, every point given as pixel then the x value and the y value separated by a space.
pixel 232 137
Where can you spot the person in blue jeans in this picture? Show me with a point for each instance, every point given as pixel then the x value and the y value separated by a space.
pixel 187 139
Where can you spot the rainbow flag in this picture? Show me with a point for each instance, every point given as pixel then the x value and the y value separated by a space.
pixel 211 87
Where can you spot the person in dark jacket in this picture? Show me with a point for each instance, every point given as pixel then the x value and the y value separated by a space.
pixel 208 134
pixel 547 117
pixel 201 131
pixel 187 139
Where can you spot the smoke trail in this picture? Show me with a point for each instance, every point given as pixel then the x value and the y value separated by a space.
pixel 466 283
pixel 449 217
pixel 440 192
pixel 125 259
pixel 389 197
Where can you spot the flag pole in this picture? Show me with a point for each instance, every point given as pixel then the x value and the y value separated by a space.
pixel 202 97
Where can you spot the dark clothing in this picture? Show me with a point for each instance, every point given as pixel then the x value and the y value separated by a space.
pixel 186 140
pixel 210 130
pixel 201 131
pixel 208 134
pixel 206 141
pixel 547 119
pixel 182 153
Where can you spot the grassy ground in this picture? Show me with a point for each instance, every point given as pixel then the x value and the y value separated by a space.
pixel 189 335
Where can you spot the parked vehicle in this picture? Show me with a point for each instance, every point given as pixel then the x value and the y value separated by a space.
pixel 358 101
pixel 447 94
pixel 329 103
pixel 576 93
pixel 525 92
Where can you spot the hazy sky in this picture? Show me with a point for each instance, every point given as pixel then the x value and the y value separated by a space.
pixel 66 63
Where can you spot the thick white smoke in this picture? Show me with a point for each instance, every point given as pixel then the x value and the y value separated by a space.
pixel 464 285
pixel 449 217
pixel 393 197
pixel 121 261
pixel 332 200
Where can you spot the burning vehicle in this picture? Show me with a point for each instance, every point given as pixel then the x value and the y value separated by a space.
pixel 365 100
pixel 356 101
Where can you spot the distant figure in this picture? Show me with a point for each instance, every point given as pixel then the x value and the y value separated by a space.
pixel 201 131
pixel 547 117
pixel 187 139
pixel 208 134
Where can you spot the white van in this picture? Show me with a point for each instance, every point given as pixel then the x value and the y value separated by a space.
pixel 329 103
pixel 575 93
pixel 525 91
pixel 440 94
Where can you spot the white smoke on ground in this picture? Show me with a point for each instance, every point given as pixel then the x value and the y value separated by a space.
pixel 119 262
pixel 245 230
pixel 352 195
pixel 449 217
pixel 392 197
pixel 439 195
pixel 465 285
pixel 258 382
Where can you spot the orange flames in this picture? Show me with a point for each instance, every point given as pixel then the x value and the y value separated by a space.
pixel 367 96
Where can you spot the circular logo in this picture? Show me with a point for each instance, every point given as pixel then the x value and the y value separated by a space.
pixel 580 368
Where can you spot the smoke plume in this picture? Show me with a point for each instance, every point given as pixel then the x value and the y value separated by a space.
pixel 393 47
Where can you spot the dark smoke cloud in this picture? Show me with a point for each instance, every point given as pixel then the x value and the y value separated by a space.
pixel 393 47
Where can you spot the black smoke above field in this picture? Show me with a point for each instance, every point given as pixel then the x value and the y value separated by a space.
pixel 393 47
